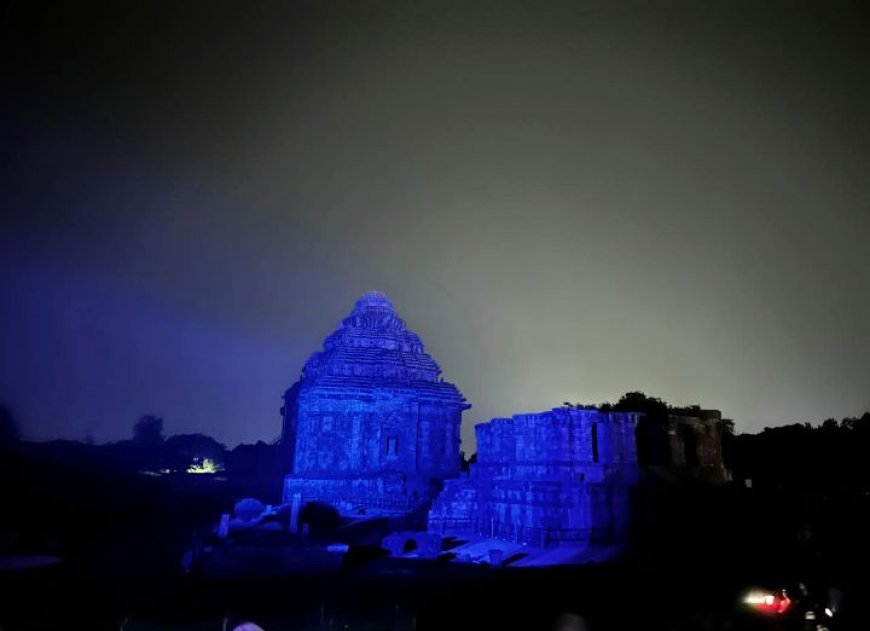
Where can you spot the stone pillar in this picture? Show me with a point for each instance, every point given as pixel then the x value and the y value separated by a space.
pixel 224 526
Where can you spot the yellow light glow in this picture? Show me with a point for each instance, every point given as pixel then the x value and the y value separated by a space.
pixel 758 598
pixel 206 466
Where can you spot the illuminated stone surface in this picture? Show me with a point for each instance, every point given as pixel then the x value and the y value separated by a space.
pixel 559 476
pixel 370 428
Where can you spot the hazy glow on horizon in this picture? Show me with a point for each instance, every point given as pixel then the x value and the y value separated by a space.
pixel 566 201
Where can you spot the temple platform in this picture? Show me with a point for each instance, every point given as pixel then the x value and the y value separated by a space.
pixel 476 549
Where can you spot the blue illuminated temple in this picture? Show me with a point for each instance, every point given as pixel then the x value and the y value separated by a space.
pixel 559 476
pixel 370 428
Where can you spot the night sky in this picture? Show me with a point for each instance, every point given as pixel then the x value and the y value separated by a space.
pixel 566 202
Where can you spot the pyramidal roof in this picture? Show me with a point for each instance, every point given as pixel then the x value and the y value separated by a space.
pixel 373 347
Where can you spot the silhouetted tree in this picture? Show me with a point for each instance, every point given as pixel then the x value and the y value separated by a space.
pixel 726 427
pixel 636 401
pixel 148 430
pixel 581 406
pixel 830 426
pixel 9 432
pixel 823 459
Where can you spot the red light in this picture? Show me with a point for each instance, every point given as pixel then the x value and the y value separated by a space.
pixel 768 603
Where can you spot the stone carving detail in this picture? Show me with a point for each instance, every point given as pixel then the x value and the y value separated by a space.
pixel 540 479
pixel 370 427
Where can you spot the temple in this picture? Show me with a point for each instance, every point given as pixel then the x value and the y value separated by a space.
pixel 559 476
pixel 370 428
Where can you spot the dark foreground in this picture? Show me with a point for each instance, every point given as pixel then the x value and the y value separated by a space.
pixel 694 552
pixel 389 593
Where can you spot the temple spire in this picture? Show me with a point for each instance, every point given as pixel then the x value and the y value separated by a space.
pixel 369 425
pixel 376 299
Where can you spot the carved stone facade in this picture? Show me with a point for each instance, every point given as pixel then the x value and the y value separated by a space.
pixel 540 479
pixel 370 427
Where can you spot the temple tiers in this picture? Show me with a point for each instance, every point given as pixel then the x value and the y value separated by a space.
pixel 370 427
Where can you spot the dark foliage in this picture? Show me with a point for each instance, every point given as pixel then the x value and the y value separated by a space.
pixel 827 459
pixel 148 430
pixel 9 431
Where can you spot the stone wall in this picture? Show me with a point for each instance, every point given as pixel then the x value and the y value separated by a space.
pixel 688 444
pixel 556 476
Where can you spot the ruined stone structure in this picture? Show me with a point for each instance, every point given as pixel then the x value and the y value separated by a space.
pixel 557 476
pixel 688 441
pixel 370 428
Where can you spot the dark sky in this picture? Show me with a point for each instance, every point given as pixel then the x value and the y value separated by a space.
pixel 565 201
